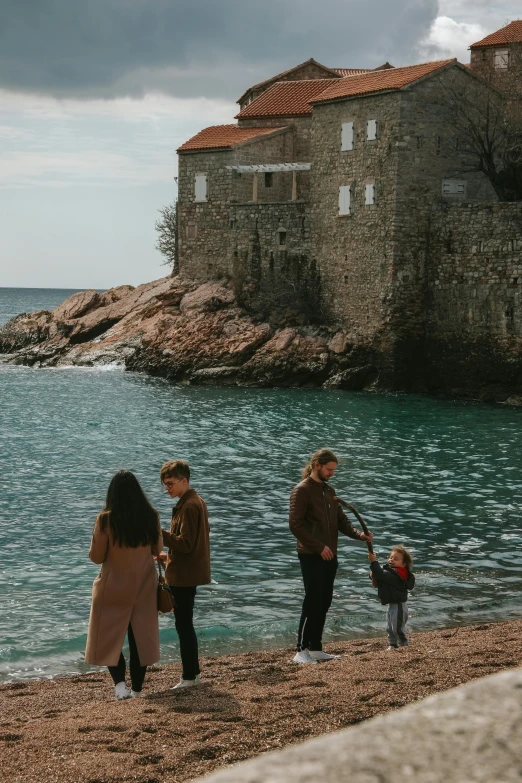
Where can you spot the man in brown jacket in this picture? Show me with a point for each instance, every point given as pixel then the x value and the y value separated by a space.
pixel 316 517
pixel 188 560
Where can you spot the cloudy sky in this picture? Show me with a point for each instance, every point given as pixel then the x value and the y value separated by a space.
pixel 96 95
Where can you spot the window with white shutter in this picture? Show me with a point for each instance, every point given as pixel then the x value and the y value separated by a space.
pixel 344 199
pixel 453 187
pixel 201 187
pixel 369 194
pixel 501 58
pixel 346 136
pixel 371 130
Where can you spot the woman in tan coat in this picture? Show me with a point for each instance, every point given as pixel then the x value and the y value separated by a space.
pixel 125 538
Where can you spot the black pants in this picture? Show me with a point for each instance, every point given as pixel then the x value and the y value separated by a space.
pixel 184 598
pixel 137 672
pixel 318 578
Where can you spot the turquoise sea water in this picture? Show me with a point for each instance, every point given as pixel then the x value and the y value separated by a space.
pixel 442 477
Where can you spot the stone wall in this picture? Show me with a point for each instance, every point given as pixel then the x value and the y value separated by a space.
pixel 206 228
pixel 482 61
pixel 354 252
pixel 475 270
pixel 301 126
pixel 428 155
pixel 265 235
pixel 474 298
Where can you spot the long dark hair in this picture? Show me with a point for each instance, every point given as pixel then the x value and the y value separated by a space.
pixel 128 513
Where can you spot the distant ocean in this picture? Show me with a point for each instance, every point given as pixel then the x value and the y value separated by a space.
pixel 442 477
pixel 14 301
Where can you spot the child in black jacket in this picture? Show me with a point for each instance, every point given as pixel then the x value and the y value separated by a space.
pixel 393 582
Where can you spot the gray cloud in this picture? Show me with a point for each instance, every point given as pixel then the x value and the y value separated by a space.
pixel 213 48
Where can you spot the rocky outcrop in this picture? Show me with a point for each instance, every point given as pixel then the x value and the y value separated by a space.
pixel 189 333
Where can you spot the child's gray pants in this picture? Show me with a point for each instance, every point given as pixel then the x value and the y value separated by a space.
pixel 396 619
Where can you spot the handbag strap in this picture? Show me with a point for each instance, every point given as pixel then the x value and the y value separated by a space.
pixel 160 566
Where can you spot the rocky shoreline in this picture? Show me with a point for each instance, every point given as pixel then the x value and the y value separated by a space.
pixel 200 334
pixel 186 333
pixel 70 728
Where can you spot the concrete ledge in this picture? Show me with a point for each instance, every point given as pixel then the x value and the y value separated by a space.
pixel 471 734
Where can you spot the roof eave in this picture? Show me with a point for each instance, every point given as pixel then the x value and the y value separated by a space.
pixel 204 149
pixel 445 67
pixel 271 116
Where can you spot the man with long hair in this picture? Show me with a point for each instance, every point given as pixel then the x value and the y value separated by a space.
pixel 188 560
pixel 316 518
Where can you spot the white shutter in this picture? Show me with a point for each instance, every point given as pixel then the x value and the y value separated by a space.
pixel 344 199
pixel 369 193
pixel 200 187
pixel 501 58
pixel 371 130
pixel 451 187
pixel 346 136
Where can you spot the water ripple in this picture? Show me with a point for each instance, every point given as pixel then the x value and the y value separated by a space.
pixel 442 477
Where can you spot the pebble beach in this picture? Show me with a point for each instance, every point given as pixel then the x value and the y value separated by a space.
pixel 70 728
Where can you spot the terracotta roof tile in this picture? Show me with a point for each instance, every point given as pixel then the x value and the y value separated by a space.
pixel 279 76
pixel 351 71
pixel 378 81
pixel 223 137
pixel 286 99
pixel 511 33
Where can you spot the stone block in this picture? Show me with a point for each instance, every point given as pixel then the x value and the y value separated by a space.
pixel 470 734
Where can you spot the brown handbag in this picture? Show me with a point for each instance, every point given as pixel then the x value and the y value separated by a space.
pixel 165 597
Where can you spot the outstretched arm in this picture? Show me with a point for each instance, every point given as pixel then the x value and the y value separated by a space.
pixel 346 527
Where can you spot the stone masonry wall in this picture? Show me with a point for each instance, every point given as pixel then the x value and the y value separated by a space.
pixel 265 235
pixel 302 127
pixel 482 61
pixel 474 303
pixel 427 155
pixel 354 252
pixel 216 236
pixel 475 271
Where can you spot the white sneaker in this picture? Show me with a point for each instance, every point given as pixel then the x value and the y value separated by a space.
pixel 303 656
pixel 187 683
pixel 136 694
pixel 392 647
pixel 320 655
pixel 121 691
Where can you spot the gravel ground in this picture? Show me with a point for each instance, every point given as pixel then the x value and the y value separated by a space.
pixel 71 729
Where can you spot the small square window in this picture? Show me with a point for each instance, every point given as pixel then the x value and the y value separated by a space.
pixel 501 59
pixel 269 179
pixel 281 237
pixel 191 231
pixel 371 130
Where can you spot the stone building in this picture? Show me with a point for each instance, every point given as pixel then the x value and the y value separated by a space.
pixel 496 55
pixel 348 171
